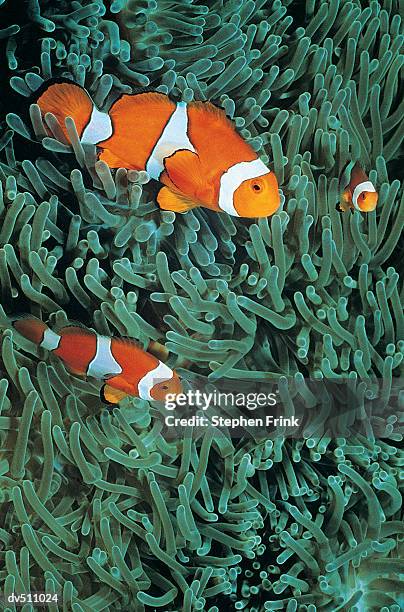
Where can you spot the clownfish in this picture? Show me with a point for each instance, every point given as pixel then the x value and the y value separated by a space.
pixel 192 149
pixel 128 369
pixel 360 193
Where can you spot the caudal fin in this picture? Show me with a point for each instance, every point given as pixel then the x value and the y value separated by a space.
pixel 37 332
pixel 31 328
pixel 67 100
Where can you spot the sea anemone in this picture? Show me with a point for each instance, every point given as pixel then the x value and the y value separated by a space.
pixel 100 509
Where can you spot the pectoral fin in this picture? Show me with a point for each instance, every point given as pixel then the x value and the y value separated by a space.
pixel 169 200
pixel 185 171
pixel 343 204
pixel 112 160
pixel 110 395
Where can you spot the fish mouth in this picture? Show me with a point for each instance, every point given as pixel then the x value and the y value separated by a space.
pixel 369 207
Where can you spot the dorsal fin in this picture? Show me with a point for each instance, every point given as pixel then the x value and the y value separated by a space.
pixel 153 100
pixel 76 329
pixel 128 341
pixel 212 110
pixel 358 175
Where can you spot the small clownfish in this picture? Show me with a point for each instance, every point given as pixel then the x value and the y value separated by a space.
pixel 360 193
pixel 192 149
pixel 128 369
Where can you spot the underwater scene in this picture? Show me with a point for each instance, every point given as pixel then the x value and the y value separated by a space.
pixel 201 305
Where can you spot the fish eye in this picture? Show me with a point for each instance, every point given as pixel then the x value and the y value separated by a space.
pixel 164 387
pixel 256 186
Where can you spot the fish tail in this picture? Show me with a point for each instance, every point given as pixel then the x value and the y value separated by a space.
pixel 37 332
pixel 67 99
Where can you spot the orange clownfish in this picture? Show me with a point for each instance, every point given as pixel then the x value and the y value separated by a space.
pixel 128 369
pixel 360 193
pixel 193 149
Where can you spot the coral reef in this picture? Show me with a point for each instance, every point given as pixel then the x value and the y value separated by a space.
pixel 96 505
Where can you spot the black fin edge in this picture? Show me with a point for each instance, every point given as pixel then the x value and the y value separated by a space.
pixel 103 398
